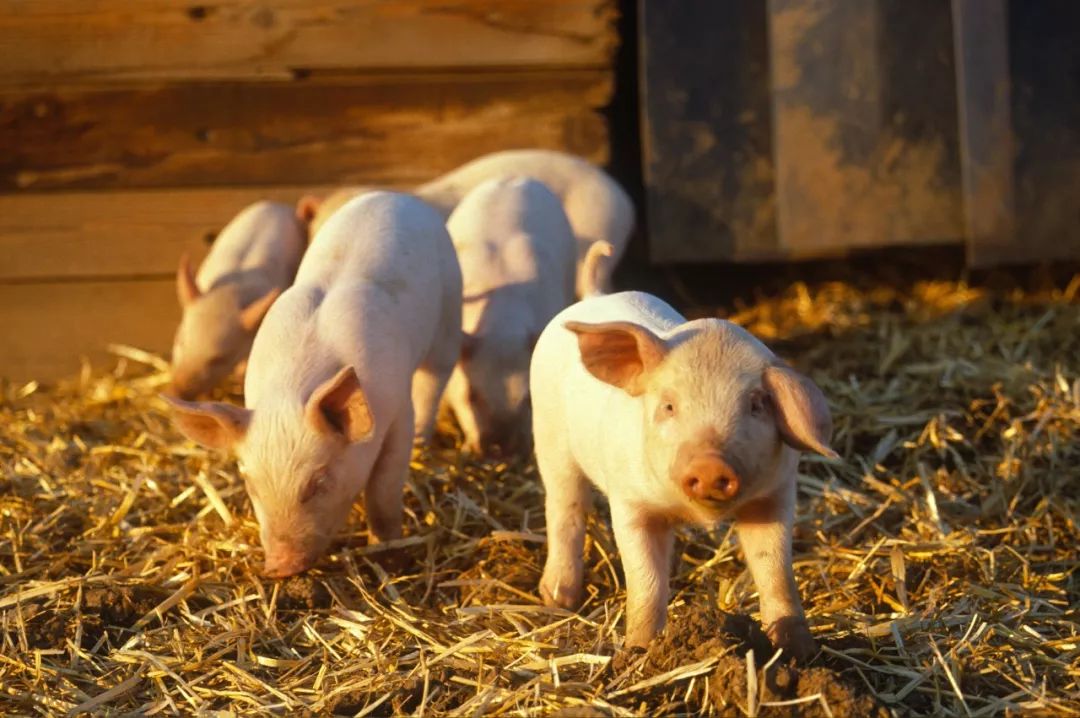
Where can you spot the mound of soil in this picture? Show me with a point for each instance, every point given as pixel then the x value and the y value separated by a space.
pixel 48 631
pixel 104 611
pixel 698 632
pixel 302 593
pixel 114 609
pixel 120 606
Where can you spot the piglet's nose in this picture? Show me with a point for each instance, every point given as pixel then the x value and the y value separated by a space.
pixel 710 478
pixel 283 563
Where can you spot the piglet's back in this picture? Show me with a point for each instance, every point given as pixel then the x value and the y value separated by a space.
pixel 380 236
pixel 264 237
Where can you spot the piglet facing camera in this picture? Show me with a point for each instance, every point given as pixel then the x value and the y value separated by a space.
pixel 346 370
pixel 675 422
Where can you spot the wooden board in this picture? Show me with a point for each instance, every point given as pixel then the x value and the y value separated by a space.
pixel 798 129
pixel 846 176
pixel 116 234
pixel 49 41
pixel 986 134
pixel 1044 67
pixel 48 328
pixel 1020 121
pixel 399 129
pixel 707 150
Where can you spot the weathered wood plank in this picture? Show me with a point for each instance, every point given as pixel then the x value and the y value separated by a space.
pixel 48 328
pixel 707 150
pixel 796 130
pixel 1044 67
pixel 116 234
pixel 396 130
pixel 46 41
pixel 986 134
pixel 845 178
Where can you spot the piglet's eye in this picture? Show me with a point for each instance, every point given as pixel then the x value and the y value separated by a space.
pixel 315 485
pixel 759 403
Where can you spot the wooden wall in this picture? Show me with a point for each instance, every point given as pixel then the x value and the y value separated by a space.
pixel 131 131
pixel 789 129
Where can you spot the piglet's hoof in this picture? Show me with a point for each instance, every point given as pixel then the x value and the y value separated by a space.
pixel 561 596
pixel 793 635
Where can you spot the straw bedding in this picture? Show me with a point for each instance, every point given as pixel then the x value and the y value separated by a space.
pixel 937 561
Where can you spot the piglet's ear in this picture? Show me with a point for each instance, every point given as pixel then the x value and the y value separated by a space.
pixel 186 289
pixel 252 315
pixel 619 353
pixel 213 424
pixel 802 414
pixel 339 407
pixel 307 208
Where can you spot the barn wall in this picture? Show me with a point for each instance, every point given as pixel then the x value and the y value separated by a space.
pixel 795 129
pixel 131 132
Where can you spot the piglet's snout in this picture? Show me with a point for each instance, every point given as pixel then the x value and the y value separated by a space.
pixel 707 477
pixel 283 562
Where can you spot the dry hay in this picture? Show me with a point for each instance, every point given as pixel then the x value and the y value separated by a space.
pixel 937 562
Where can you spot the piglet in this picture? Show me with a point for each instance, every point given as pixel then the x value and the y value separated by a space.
pixel 674 421
pixel 517 255
pixel 252 260
pixel 346 370
pixel 597 208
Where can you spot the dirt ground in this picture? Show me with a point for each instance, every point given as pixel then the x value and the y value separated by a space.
pixel 937 561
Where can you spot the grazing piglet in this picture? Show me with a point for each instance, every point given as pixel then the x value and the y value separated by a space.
pixel 517 258
pixel 373 318
pixel 596 206
pixel 675 421
pixel 253 259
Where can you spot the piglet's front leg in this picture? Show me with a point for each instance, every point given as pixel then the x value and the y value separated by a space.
pixel 383 495
pixel 764 529
pixel 645 545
